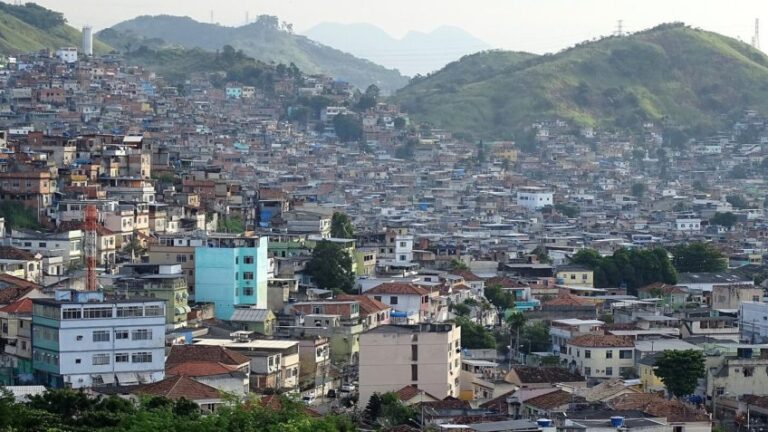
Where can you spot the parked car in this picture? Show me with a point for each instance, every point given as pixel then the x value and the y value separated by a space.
pixel 348 388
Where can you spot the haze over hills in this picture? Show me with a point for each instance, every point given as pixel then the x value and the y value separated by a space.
pixel 266 39
pixel 671 74
pixel 415 53
pixel 29 27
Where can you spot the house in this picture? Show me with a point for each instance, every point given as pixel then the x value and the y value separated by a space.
pixel 260 321
pixel 179 386
pixel 412 395
pixel 16 342
pixel 216 366
pixel 600 356
pixel 545 405
pixel 670 295
pixel 21 264
pixel 528 377
pixel 575 275
pixel 83 339
pixel 679 415
pixel 424 355
pixel 410 303
pixel 730 297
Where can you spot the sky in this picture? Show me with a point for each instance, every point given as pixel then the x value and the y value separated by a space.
pixel 538 26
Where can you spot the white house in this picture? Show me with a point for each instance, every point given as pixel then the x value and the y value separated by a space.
pixel 534 198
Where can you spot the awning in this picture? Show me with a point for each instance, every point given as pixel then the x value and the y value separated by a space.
pixel 127 378
pixel 107 378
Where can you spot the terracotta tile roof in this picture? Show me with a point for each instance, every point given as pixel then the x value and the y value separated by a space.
pixel 657 406
pixel 200 368
pixel 536 375
pixel 553 400
pixel 569 300
pixel 398 288
pixel 23 306
pixel 368 305
pixel 505 282
pixel 275 402
pixel 177 387
pixel 467 275
pixel 665 288
pixel 410 392
pixel 601 341
pixel 499 403
pixel 215 354
pixel 11 253
pixel 448 403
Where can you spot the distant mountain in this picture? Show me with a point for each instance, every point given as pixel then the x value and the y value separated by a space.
pixel 29 27
pixel 671 74
pixel 416 53
pixel 266 40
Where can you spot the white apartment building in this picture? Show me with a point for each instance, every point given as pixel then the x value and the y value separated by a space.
pixel 427 356
pixel 599 356
pixel 534 198
pixel 688 224
pixel 81 339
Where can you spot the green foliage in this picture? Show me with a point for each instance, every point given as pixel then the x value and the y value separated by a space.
pixel 348 127
pixel 267 40
pixel 638 190
pixel 680 371
pixel 474 336
pixel 737 201
pixel 630 267
pixel 331 267
pixel 17 216
pixel 387 410
pixel 499 297
pixel 461 309
pixel 34 14
pixel 534 337
pixel 231 224
pixel 726 219
pixel 567 211
pixel 458 265
pixel 541 254
pixel 697 257
pixel 668 75
pixel 341 226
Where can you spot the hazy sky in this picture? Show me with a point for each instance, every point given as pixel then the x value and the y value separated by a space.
pixel 528 25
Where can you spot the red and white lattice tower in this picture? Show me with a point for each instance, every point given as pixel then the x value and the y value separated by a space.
pixel 91 222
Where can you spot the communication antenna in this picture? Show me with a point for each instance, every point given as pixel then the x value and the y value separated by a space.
pixel 246 18
pixel 756 37
pixel 619 28
pixel 212 17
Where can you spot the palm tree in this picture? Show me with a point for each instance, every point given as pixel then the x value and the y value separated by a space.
pixel 134 247
pixel 515 321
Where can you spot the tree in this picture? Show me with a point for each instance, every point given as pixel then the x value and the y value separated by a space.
pixel 369 98
pixel 638 190
pixel 680 371
pixel 373 409
pixel 726 219
pixel 341 226
pixel 481 156
pixel 628 267
pixel 535 337
pixel 516 322
pixel 737 201
pixel 331 267
pixel 566 210
pixel 134 247
pixel 697 257
pixel 461 309
pixel 498 297
pixel 474 336
pixel 399 123
pixel 458 265
pixel 348 127
pixel 541 254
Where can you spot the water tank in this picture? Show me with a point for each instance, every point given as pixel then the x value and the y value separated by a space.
pixel 544 423
pixel 88 40
pixel 617 421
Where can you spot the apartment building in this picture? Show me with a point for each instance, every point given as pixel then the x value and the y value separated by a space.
pixel 427 356
pixel 83 339
pixel 599 356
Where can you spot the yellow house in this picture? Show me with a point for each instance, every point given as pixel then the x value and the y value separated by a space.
pixel 575 275
pixel 649 382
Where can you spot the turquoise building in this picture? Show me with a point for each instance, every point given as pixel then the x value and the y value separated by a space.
pixel 230 272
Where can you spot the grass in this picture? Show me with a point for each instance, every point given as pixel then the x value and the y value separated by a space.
pixel 17 216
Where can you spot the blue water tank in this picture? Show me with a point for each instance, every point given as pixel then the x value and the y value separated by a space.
pixel 617 421
pixel 543 422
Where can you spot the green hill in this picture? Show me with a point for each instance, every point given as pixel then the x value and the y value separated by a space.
pixel 671 74
pixel 266 39
pixel 31 28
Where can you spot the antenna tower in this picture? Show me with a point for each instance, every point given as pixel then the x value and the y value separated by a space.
pixel 756 37
pixel 212 17
pixel 247 20
pixel 619 28
pixel 91 220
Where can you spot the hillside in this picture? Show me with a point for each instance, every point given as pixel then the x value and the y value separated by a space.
pixel 415 53
pixel 266 40
pixel 672 74
pixel 31 28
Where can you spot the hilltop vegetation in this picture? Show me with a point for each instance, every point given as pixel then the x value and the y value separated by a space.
pixel 670 74
pixel 266 40
pixel 30 27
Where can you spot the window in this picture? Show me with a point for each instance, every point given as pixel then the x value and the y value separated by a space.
pixel 756 299
pixel 247 260
pixel 587 354
pixel 393 300
pixel 720 391
pixel 625 354
pixel 377 298
pixel 79 337
pixel 97 312
pixel 101 359
pixel 402 244
pixel 101 336
pixel 141 357
pixel 587 371
pixel 70 313
pixel 130 311
pixel 153 310
pixel 247 275
pixel 121 358
pixel 609 354
pixel 78 361
pixel 573 277
pixel 121 334
pixel 626 371
pixel 609 371
pixel 248 291
pixel 142 334
pixel 414 372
